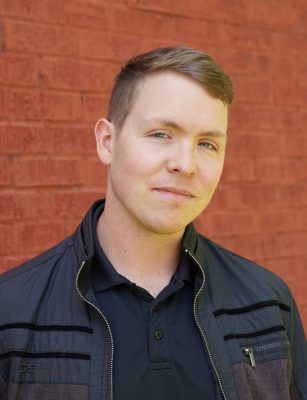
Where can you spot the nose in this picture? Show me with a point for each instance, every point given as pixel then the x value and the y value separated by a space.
pixel 182 160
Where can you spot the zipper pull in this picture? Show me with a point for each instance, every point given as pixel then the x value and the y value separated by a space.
pixel 249 353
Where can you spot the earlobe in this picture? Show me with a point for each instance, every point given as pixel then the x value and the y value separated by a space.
pixel 104 133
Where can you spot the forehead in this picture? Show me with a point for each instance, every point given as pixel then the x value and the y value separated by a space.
pixel 172 96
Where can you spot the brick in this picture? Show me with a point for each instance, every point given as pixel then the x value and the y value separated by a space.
pixel 252 145
pixel 293 243
pixel 135 21
pixel 55 11
pixel 5 172
pixel 248 196
pixel 290 42
pixel 277 221
pixel 39 236
pixel 302 65
pixel 71 42
pixel 245 63
pixel 24 205
pixel 9 262
pixel 287 93
pixel 281 66
pixel 238 62
pixel 31 172
pixel 18 8
pixel 81 14
pixel 24 139
pixel 281 170
pixel 77 75
pixel 298 289
pixel 253 90
pixel 226 223
pixel 110 46
pixel 262 14
pixel 200 30
pixel 302 119
pixel 73 140
pixel 18 70
pixel 4 111
pixel 252 246
pixel 88 14
pixel 42 106
pixel 293 195
pixel 303 312
pixel 93 172
pixel 273 118
pixel 294 145
pixel 287 267
pixel 38 38
pixel 70 204
pixel 240 118
pixel 302 217
pixel 93 107
pixel 6 239
pixel 2 37
pixel 9 209
pixel 32 205
pixel 239 170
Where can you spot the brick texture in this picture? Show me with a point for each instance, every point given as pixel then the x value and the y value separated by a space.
pixel 57 64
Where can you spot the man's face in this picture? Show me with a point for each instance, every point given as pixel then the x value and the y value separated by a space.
pixel 168 157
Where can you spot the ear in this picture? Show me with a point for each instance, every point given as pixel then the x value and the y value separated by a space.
pixel 104 132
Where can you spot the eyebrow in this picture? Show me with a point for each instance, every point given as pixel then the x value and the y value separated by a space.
pixel 172 124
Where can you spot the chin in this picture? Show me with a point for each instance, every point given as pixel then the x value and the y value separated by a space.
pixel 166 227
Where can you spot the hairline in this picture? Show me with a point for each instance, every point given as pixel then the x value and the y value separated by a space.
pixel 141 80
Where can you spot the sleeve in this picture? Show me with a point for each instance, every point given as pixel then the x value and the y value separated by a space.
pixel 298 347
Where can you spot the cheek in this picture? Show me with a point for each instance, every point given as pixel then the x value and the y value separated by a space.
pixel 210 176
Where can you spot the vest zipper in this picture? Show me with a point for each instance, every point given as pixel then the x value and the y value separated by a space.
pixel 108 326
pixel 199 327
pixel 250 351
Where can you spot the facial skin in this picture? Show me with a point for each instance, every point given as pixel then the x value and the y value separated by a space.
pixel 166 161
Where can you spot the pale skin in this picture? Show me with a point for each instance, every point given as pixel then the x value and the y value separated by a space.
pixel 163 168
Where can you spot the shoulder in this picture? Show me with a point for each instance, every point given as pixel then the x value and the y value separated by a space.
pixel 241 273
pixel 23 287
pixel 48 258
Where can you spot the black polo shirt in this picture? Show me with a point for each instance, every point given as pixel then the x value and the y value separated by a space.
pixel 158 350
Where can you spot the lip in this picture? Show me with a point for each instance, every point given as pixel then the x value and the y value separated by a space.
pixel 174 192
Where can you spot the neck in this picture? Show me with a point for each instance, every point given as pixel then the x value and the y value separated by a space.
pixel 145 258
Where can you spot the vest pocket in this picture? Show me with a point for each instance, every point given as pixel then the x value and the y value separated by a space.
pixel 265 372
pixel 262 351
pixel 45 391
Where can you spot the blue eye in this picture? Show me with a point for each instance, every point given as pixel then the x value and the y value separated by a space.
pixel 161 135
pixel 208 145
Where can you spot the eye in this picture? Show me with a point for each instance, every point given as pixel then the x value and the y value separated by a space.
pixel 159 134
pixel 209 145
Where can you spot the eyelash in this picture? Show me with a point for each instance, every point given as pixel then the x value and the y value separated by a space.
pixel 163 135
pixel 213 146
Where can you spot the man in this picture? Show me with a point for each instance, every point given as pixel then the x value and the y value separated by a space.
pixel 136 304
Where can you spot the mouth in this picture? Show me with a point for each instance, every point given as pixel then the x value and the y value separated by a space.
pixel 173 193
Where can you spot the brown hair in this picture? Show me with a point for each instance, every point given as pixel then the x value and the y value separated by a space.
pixel 183 60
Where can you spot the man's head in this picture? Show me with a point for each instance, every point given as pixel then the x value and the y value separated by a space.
pixel 189 62
pixel 166 161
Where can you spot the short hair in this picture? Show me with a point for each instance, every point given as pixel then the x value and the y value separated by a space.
pixel 192 63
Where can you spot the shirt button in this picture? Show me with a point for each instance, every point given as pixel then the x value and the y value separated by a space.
pixel 158 334
pixel 156 307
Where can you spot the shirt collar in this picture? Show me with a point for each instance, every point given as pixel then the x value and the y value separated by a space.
pixel 185 270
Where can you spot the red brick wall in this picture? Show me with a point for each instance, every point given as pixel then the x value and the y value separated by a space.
pixel 57 63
